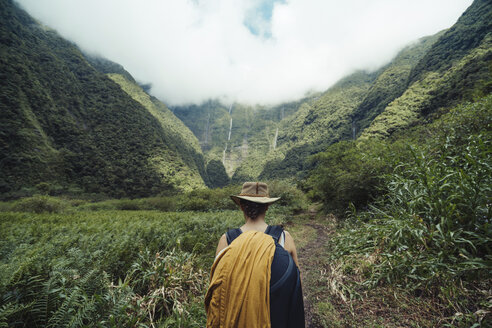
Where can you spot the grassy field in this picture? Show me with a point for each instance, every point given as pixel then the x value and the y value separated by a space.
pixel 116 263
pixel 107 268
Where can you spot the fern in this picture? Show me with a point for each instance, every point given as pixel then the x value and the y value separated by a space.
pixel 9 311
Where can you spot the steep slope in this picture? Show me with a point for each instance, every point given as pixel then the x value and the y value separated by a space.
pixel 65 125
pixel 456 68
pixel 438 71
pixel 235 133
pixel 340 113
pixel 279 144
pixel 317 124
pixel 184 155
pixel 391 82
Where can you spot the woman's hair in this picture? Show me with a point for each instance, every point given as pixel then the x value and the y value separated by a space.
pixel 251 209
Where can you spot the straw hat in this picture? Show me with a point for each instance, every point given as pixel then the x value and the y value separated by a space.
pixel 256 192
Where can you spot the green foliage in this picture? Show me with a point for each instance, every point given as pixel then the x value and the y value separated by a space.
pixel 430 232
pixel 468 32
pixel 455 68
pixel 68 125
pixel 391 82
pixel 184 158
pixel 204 200
pixel 217 174
pixel 348 172
pixel 317 124
pixel 107 268
pixel 93 265
pixel 291 198
pixel 39 204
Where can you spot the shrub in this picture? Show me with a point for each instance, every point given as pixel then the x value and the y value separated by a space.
pixel 291 198
pixel 41 204
pixel 348 172
pixel 431 231
pixel 165 204
pixel 127 205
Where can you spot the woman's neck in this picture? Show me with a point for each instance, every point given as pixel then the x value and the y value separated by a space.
pixel 259 224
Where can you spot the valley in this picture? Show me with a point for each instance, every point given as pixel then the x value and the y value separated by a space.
pixel 112 202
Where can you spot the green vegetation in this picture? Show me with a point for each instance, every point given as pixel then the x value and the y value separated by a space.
pixel 70 128
pixel 107 268
pixel 468 33
pixel 455 68
pixel 437 72
pixel 412 192
pixel 116 263
pixel 391 82
pixel 428 233
pixel 251 144
pixel 184 158
pixel 217 174
pixel 432 92
pixel 316 125
pixel 203 200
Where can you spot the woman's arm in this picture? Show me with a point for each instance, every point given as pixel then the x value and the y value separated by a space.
pixel 222 244
pixel 290 246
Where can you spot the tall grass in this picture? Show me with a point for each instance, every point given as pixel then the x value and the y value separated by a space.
pixel 116 263
pixel 107 268
pixel 431 232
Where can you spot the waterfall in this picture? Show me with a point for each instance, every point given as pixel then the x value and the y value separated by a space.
pixel 230 109
pixel 224 154
pixel 206 128
pixel 275 140
pixel 230 130
pixel 353 129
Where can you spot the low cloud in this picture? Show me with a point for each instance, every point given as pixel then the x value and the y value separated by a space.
pixel 191 51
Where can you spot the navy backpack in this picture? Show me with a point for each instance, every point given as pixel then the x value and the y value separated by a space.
pixel 286 303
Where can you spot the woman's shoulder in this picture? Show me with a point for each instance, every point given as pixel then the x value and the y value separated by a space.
pixel 222 244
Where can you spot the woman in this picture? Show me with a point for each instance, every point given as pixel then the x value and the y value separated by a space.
pixel 254 206
pixel 254 263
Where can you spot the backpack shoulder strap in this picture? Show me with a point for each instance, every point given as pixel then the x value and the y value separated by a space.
pixel 275 231
pixel 232 234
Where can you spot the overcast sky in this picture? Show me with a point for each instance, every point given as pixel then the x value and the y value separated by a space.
pixel 256 51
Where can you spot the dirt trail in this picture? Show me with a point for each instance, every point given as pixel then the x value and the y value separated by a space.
pixel 311 256
pixel 381 307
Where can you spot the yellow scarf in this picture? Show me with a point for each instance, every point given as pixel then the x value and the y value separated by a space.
pixel 239 291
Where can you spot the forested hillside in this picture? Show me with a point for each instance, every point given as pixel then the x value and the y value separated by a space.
pixel 384 179
pixel 68 128
pixel 422 78
pixel 456 68
pixel 230 135
pixel 283 137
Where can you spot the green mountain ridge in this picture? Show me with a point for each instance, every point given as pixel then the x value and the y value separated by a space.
pixel 340 113
pixel 72 122
pixel 67 127
pixel 456 68
pixel 436 72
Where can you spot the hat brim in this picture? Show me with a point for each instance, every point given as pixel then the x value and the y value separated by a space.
pixel 260 200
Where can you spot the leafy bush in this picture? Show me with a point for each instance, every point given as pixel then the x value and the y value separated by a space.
pixel 40 204
pixel 349 172
pixel 291 198
pixel 108 268
pixel 431 231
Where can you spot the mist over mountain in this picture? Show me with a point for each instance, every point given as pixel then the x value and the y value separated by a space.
pixel 79 122
pixel 67 127
pixel 112 202
pixel 262 51
pixel 431 74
